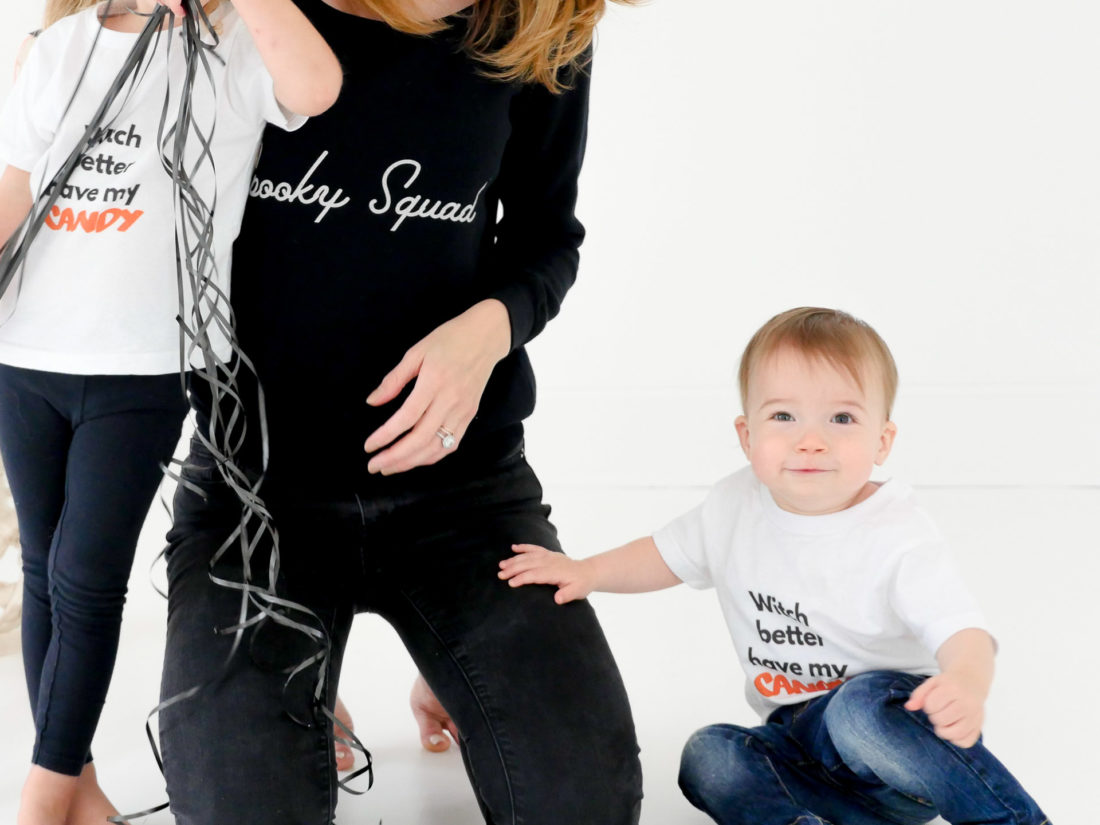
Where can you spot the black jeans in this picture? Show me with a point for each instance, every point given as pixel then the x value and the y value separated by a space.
pixel 82 455
pixel 426 561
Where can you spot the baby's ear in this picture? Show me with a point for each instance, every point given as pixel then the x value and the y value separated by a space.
pixel 742 425
pixel 886 441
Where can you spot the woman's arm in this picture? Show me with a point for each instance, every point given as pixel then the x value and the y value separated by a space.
pixel 535 259
pixel 531 266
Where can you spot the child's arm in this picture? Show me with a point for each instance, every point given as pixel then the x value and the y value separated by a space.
pixel 306 73
pixel 15 201
pixel 633 568
pixel 955 698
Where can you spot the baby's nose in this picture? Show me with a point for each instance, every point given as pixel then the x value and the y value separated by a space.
pixel 811 442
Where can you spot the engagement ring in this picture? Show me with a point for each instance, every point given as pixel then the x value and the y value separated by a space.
pixel 447 437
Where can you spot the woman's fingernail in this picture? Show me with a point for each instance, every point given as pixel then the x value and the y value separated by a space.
pixel 435 739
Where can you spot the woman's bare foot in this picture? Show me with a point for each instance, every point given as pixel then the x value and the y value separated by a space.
pixel 90 806
pixel 46 797
pixel 345 756
pixel 431 717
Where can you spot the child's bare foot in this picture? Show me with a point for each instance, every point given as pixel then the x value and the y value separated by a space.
pixel 345 756
pixel 46 797
pixel 90 806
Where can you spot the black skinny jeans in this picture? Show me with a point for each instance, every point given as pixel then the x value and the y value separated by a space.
pixel 426 561
pixel 82 453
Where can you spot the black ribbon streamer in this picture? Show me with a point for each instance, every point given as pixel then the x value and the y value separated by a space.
pixel 207 318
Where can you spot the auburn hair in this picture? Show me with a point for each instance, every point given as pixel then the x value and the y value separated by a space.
pixel 831 335
pixel 531 41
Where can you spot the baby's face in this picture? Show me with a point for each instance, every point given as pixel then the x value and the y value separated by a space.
pixel 812 435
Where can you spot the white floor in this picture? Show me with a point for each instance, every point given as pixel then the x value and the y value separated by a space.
pixel 1030 555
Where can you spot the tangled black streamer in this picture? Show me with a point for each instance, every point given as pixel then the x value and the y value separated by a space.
pixel 202 320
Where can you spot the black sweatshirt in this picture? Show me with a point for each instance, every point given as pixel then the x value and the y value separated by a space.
pixel 377 221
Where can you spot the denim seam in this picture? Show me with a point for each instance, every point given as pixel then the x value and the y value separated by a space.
pixel 952 749
pixel 955 752
pixel 775 773
pixel 43 713
pixel 970 768
pixel 477 698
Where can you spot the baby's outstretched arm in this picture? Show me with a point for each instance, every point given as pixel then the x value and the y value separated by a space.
pixel 636 567
pixel 955 698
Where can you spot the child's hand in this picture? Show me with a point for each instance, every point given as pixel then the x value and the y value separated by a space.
pixel 955 708
pixel 174 6
pixel 537 565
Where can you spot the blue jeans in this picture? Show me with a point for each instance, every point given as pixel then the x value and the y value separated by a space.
pixel 546 730
pixel 82 453
pixel 855 756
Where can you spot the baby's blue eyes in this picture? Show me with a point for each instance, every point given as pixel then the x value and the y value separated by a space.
pixel 839 418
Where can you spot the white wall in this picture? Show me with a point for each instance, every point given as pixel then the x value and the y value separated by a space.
pixel 931 167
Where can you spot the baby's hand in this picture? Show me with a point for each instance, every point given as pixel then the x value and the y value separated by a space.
pixel 537 565
pixel 955 709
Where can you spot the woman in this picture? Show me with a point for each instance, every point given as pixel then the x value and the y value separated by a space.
pixel 396 255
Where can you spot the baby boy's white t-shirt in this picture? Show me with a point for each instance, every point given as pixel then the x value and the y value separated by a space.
pixel 811 601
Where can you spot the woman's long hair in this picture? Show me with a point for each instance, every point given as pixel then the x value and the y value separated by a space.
pixel 531 41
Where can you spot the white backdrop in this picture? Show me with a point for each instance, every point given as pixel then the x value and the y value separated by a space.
pixel 930 166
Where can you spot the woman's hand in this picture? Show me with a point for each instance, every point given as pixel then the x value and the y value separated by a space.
pixel 451 366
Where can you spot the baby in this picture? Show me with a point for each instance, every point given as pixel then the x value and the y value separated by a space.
pixel 865 656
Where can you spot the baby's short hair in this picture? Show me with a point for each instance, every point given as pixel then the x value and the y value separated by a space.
pixel 840 339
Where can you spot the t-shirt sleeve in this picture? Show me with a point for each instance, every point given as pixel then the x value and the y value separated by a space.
pixel 24 134
pixel 535 257
pixel 251 89
pixel 682 544
pixel 929 595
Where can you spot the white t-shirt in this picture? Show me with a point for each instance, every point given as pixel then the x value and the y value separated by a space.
pixel 811 601
pixel 99 293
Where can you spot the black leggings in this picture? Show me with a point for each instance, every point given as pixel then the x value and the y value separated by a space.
pixel 82 454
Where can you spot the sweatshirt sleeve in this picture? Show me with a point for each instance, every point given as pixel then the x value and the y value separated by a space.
pixel 536 254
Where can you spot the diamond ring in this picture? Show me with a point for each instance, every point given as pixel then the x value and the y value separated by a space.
pixel 447 437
